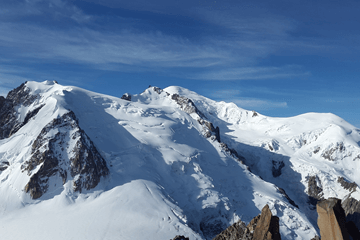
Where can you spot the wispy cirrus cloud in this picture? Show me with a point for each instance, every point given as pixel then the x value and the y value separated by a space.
pixel 236 96
pixel 128 49
pixel 252 73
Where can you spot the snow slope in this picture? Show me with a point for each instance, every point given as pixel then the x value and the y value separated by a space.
pixel 167 175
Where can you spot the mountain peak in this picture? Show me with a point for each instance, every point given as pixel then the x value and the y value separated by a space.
pixel 170 160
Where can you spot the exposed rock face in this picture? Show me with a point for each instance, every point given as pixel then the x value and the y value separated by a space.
pixel 331 220
pixel 9 123
pixel 234 232
pixel 262 227
pixel 4 165
pixel 331 153
pixel 276 168
pixel 126 96
pixel 178 237
pixel 186 104
pixel 315 190
pixel 62 149
pixel 347 185
pixel 351 207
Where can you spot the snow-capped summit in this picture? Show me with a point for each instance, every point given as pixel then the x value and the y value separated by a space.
pixel 162 163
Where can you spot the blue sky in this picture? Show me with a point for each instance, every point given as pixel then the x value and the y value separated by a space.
pixel 280 58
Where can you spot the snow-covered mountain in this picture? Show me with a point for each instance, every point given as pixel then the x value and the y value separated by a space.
pixel 75 164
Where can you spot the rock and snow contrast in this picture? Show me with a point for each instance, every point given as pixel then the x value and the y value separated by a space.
pixel 75 164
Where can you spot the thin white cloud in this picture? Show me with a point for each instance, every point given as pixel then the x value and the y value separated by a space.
pixel 235 96
pixel 251 73
pixel 258 104
pixel 222 57
pixel 83 45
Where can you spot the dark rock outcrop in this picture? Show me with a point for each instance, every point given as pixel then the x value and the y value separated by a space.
pixel 4 165
pixel 126 97
pixel 351 207
pixel 9 123
pixel 178 237
pixel 186 104
pixel 262 227
pixel 330 154
pixel 315 192
pixel 63 149
pixel 234 232
pixel 346 184
pixel 276 168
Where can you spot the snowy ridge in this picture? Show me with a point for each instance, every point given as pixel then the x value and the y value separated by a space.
pixel 169 172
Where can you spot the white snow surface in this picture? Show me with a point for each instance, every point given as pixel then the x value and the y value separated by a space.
pixel 166 178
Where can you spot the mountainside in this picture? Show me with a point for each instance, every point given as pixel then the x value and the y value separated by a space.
pixel 75 164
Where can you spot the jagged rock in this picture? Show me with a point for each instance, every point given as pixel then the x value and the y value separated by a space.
pixel 315 192
pixel 232 152
pixel 9 123
pixel 262 227
pixel 234 232
pixel 254 114
pixel 250 228
pixel 351 207
pixel 63 149
pixel 316 238
pixel 317 150
pixel 331 220
pixel 186 104
pixel 347 185
pixel 267 226
pixel 4 165
pixel 276 168
pixel 126 97
pixel 329 154
pixel 209 129
pixel 157 89
pixel 178 237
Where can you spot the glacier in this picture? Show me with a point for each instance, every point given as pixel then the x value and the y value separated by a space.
pixel 175 163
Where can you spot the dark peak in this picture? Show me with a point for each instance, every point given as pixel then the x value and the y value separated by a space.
pixel 20 95
pixel 9 123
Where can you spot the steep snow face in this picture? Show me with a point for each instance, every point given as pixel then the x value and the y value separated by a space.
pixel 172 165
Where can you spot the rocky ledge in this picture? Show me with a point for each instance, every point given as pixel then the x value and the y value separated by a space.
pixel 263 227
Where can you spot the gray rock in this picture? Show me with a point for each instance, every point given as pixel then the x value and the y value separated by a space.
pixel 85 165
pixel 9 123
pixel 351 207
pixel 339 148
pixel 347 185
pixel 126 97
pixel 234 232
pixel 315 192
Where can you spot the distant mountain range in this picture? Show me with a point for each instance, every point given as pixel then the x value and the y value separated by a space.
pixel 76 164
